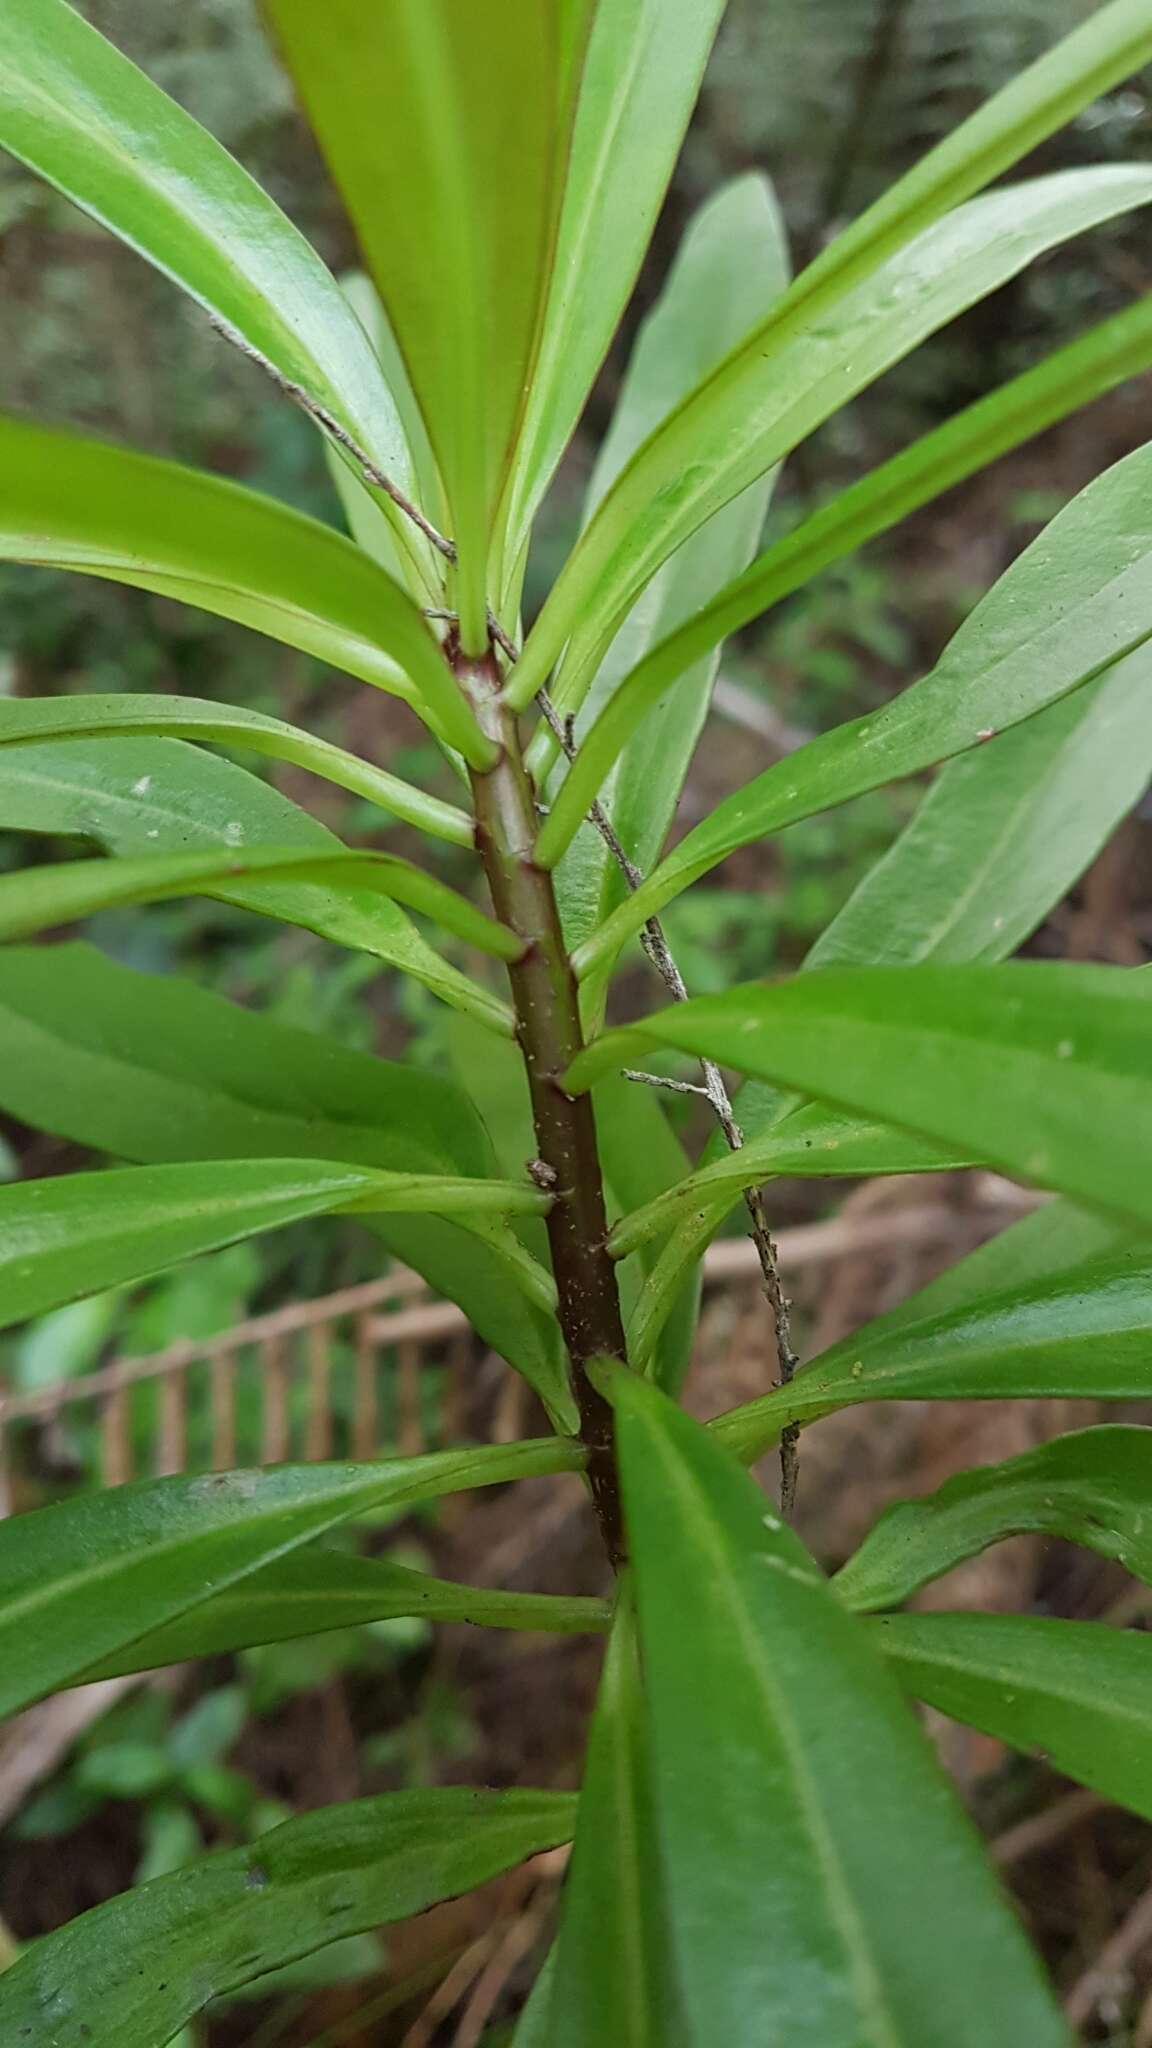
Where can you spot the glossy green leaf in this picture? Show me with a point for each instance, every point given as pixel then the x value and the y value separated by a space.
pixel 447 129
pixel 364 299
pixel 137 796
pixel 781 1751
pixel 898 274
pixel 642 1157
pixel 732 266
pixel 149 1068
pixel 613 1973
pixel 1075 1693
pixel 811 1141
pixel 130 1973
pixel 1078 601
pixel 72 503
pixel 78 112
pixel 1119 348
pixel 312 1592
pixel 1040 1069
pixel 641 77
pixel 24 720
pixel 1004 832
pixel 1081 1333
pixel 1093 1487
pixel 35 899
pixel 814 1143
pixel 80 1233
pixel 84 1579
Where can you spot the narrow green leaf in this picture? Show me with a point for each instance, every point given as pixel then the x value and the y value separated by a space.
pixel 1093 1487
pixel 1077 602
pixel 130 1973
pixel 364 299
pixel 35 899
pixel 814 1143
pixel 781 1751
pixel 1076 1693
pixel 1040 1069
pixel 1039 1248
pixel 969 442
pixel 1004 832
pixel 1082 1334
pixel 311 1592
pixel 641 1157
pixel 81 1233
pixel 72 503
pixel 145 1067
pixel 641 78
pixel 82 1580
pixel 139 796
pixel 613 1970
pixel 78 112
pixel 731 267
pixel 447 128
pixel 29 719
pixel 897 275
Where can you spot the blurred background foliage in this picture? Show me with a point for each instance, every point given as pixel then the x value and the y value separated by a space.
pixel 833 98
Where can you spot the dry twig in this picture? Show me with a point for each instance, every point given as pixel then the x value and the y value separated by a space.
pixel 1110 1974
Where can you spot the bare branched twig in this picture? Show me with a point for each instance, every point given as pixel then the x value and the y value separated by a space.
pixel 371 473
pixel 656 946
pixel 665 1081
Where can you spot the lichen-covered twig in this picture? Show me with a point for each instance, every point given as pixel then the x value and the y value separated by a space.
pixel 370 471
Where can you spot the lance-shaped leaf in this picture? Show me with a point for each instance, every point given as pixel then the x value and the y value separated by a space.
pixel 81 1233
pixel 312 1592
pixel 641 78
pixel 781 1749
pixel 814 1143
pixel 35 899
pixel 148 1068
pixel 1078 601
pixel 24 720
pixel 1041 1069
pixel 82 1580
pixel 732 266
pixel 130 1973
pixel 1080 1333
pixel 613 1968
pixel 447 129
pixel 139 796
pixel 1074 1692
pixel 764 400
pixel 81 114
pixel 642 1155
pixel 78 504
pixel 969 442
pixel 898 274
pixel 1004 832
pixel 1093 1487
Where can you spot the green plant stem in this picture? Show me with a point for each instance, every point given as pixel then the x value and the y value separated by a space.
pixel 548 1029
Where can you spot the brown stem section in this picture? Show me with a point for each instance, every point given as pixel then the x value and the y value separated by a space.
pixel 548 1028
